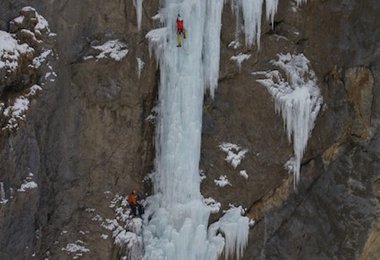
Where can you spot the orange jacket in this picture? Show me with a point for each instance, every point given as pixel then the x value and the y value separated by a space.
pixel 132 199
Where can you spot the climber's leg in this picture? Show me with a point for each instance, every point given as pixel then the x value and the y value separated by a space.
pixel 179 39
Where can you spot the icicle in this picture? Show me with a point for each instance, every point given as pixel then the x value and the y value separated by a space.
pixel 3 199
pixel 271 10
pixel 140 66
pixel 252 11
pixel 236 10
pixel 299 2
pixel 138 7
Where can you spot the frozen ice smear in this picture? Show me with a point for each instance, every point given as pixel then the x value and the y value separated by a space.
pixel 297 98
pixel 140 66
pixel 138 7
pixel 3 199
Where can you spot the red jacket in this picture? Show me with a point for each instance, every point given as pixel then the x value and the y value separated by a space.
pixel 179 24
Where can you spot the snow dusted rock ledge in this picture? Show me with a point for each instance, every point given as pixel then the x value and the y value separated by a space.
pixel 16 112
pixel 24 54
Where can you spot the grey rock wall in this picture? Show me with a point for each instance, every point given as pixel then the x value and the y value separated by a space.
pixel 86 137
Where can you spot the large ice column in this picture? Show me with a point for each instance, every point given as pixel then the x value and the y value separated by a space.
pixel 177 215
pixel 179 123
pixel 297 97
pixel 176 219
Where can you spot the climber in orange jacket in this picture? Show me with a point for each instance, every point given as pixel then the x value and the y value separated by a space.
pixel 180 30
pixel 134 203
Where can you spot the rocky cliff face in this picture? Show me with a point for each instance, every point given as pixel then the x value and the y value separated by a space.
pixel 85 136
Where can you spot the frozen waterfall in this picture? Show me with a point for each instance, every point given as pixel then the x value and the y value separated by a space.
pixel 176 220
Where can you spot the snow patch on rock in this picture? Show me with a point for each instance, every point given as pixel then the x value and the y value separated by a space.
pixel 112 49
pixel 28 184
pixel 11 50
pixel 16 112
pixel 244 174
pixel 222 181
pixel 234 153
pixel 77 249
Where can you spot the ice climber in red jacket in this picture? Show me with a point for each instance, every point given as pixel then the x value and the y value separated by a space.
pixel 180 30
